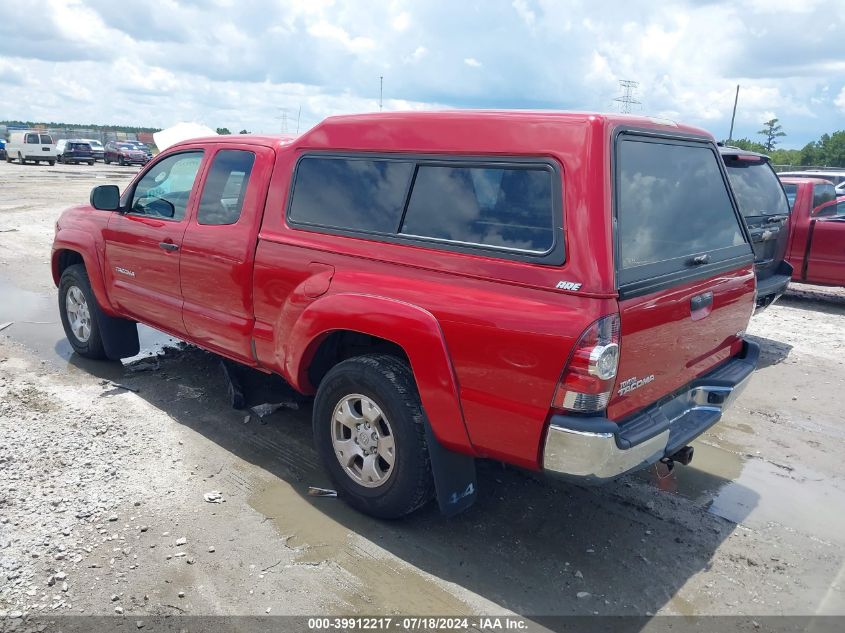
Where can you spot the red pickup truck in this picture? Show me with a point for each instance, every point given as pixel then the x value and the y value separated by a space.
pixel 816 232
pixel 559 291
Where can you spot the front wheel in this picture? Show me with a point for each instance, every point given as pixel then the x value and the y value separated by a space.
pixel 78 309
pixel 369 428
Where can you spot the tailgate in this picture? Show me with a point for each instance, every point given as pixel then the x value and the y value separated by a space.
pixel 671 337
pixel 684 268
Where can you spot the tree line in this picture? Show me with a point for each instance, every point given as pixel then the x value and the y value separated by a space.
pixel 828 151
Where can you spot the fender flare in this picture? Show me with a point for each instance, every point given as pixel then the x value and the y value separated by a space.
pixel 84 244
pixel 410 327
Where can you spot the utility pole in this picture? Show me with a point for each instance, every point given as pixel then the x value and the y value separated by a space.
pixel 733 116
pixel 627 99
pixel 380 92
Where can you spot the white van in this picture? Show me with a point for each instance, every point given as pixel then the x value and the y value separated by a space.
pixel 30 145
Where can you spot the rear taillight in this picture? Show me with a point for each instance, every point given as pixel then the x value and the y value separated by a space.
pixel 588 378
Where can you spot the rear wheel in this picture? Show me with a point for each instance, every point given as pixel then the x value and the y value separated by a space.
pixel 78 310
pixel 20 159
pixel 90 163
pixel 370 433
pixel 52 162
pixel 120 161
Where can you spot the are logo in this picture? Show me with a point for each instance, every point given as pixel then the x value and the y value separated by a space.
pixel 568 285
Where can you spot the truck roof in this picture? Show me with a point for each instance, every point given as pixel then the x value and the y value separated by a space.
pixel 491 129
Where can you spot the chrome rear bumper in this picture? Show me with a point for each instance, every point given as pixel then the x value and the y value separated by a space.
pixel 595 449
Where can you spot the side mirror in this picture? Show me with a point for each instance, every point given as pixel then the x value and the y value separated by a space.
pixel 105 198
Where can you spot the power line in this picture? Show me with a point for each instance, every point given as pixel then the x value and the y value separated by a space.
pixel 627 99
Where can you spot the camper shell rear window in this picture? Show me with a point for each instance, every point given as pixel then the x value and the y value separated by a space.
pixel 675 217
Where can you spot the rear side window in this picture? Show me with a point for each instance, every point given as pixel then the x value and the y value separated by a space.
pixel 31 139
pixel 823 193
pixel 756 187
pixel 225 187
pixel 674 211
pixel 506 208
pixel 46 139
pixel 351 193
pixel 791 193
pixel 461 204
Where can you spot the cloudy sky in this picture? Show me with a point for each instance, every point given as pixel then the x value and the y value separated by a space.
pixel 256 64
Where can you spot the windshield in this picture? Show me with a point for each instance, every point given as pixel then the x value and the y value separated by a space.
pixel 125 146
pixel 756 187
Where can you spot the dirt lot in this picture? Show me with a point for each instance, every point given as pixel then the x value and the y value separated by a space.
pixel 102 507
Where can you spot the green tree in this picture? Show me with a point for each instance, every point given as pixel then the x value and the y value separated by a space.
pixel 747 144
pixel 772 130
pixel 244 132
pixel 223 130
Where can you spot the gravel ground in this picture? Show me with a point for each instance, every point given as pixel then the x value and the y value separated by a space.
pixel 102 488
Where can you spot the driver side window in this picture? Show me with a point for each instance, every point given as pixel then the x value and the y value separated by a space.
pixel 164 190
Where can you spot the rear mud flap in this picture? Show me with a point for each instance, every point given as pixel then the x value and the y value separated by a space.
pixel 454 476
pixel 120 336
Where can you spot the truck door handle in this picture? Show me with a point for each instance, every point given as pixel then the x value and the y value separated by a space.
pixel 701 301
pixel 169 246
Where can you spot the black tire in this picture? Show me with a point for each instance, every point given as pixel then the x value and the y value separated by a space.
pixel 389 383
pixel 77 276
pixel 106 161
pixel 90 163
pixel 120 161
pixel 20 159
pixel 52 162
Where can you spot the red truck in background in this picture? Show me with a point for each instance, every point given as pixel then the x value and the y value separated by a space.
pixel 816 247
pixel 565 292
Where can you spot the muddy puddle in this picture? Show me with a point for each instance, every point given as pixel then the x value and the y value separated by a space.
pixel 319 538
pixel 757 493
pixel 36 324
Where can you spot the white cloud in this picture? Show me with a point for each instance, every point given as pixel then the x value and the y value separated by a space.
pixel 233 63
pixel 401 22
pixel 332 32
pixel 525 13
pixel 840 100
pixel 417 55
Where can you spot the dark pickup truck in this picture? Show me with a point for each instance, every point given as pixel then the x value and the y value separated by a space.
pixel 765 208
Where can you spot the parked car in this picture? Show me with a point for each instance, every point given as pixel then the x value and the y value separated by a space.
pixel 124 154
pixel 96 148
pixel 563 292
pixel 816 232
pixel 74 151
pixel 143 147
pixel 836 176
pixel 30 146
pixel 2 148
pixel 765 208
